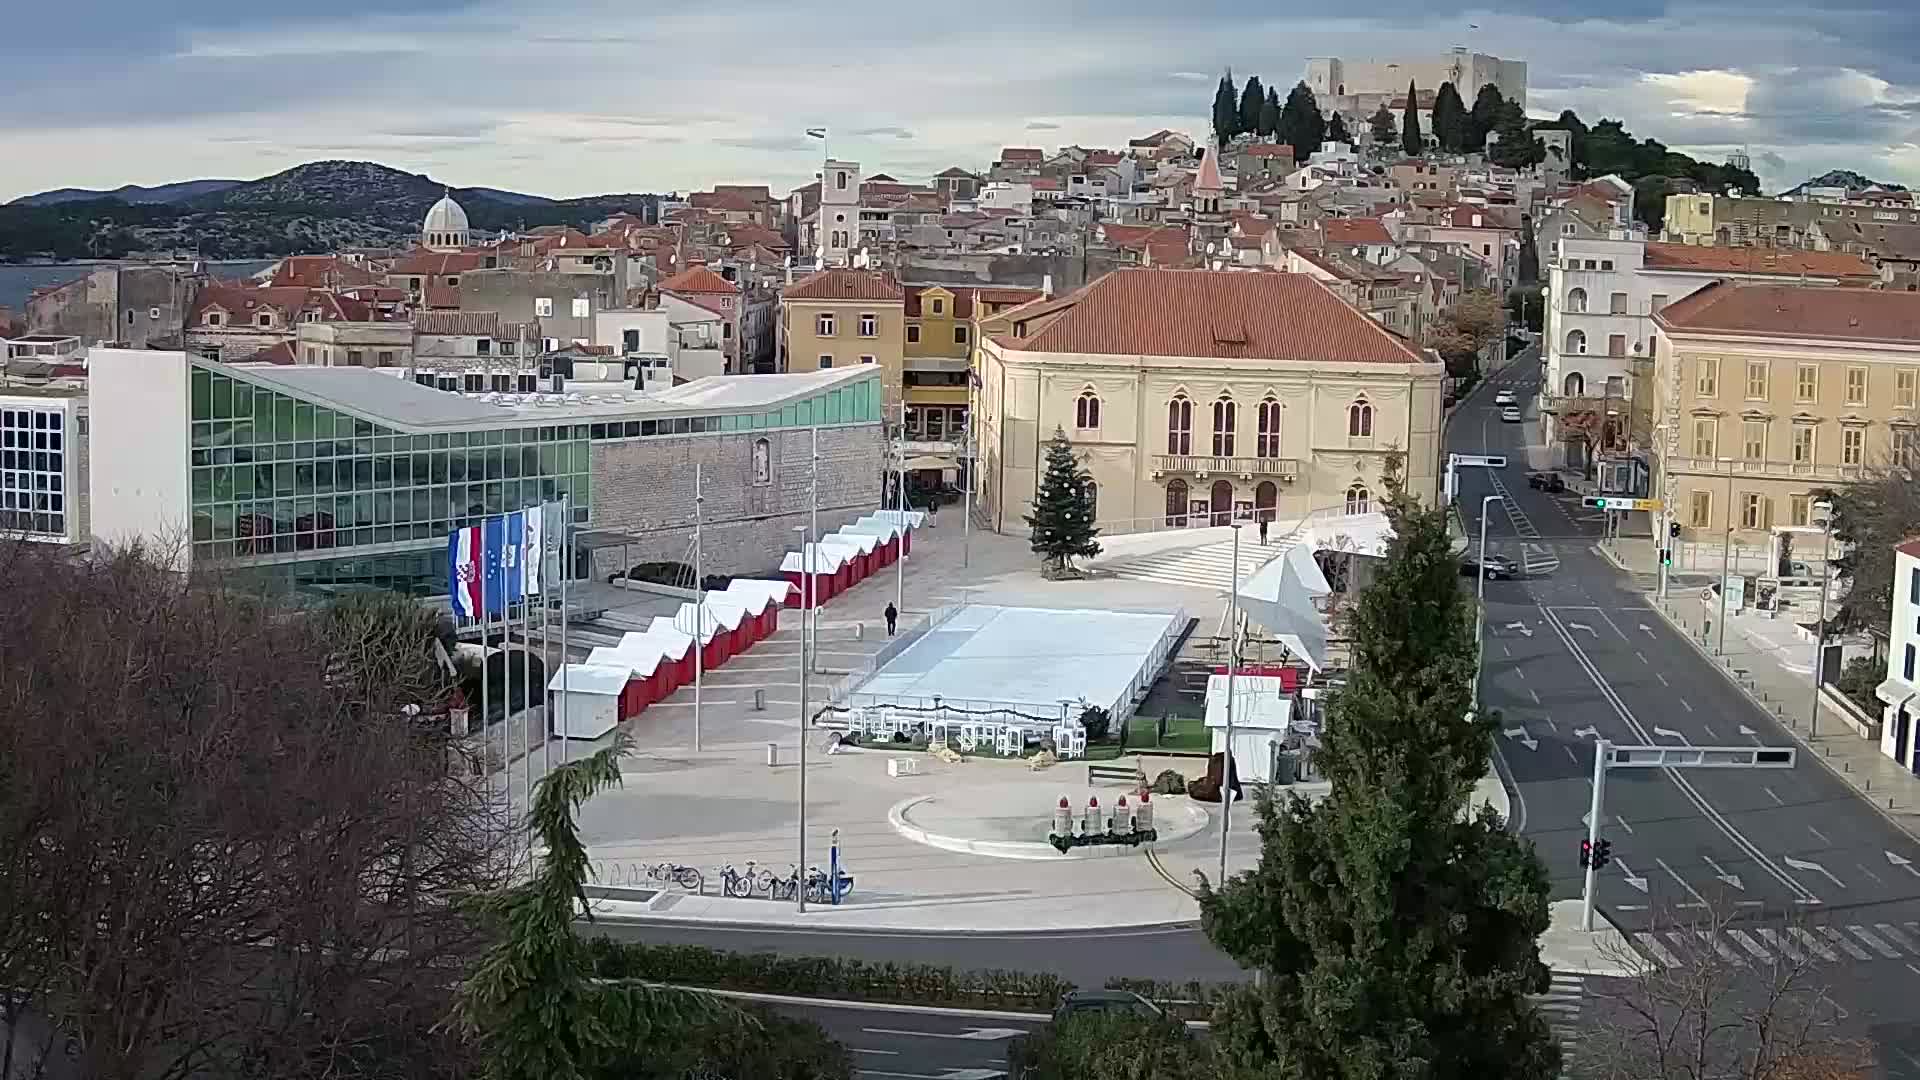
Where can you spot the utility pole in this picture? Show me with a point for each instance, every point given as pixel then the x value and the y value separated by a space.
pixel 966 518
pixel 699 605
pixel 1480 621
pixel 1825 509
pixel 1601 750
pixel 1233 666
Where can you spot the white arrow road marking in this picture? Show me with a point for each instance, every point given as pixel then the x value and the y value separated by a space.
pixel 1583 626
pixel 1802 864
pixel 1526 740
pixel 1582 732
pixel 1669 733
pixel 1698 900
pixel 1637 882
pixel 1648 630
pixel 1520 628
pixel 971 1034
pixel 1903 863
pixel 1750 733
pixel 1721 873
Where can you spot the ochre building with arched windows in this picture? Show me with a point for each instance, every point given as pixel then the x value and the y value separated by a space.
pixel 1193 395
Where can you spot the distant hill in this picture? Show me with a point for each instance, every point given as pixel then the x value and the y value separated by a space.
pixel 1845 178
pixel 131 194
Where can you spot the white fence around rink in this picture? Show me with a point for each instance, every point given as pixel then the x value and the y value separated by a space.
pixel 971 723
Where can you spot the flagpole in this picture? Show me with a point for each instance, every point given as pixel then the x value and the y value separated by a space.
pixel 526 677
pixel 566 571
pixel 699 606
pixel 900 499
pixel 546 655
pixel 813 499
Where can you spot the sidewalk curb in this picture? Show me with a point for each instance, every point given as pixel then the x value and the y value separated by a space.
pixel 1792 731
pixel 1107 930
pixel 1153 860
pixel 858 1006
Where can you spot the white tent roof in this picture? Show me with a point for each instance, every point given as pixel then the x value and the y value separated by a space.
pixel 866 542
pixel 589 679
pixel 720 615
pixel 1361 534
pixel 1258 702
pixel 1279 599
pixel 775 592
pixel 673 641
pixel 641 661
pixel 909 519
pixel 885 530
pixel 827 558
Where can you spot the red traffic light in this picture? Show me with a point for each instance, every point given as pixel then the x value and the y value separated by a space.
pixel 1586 852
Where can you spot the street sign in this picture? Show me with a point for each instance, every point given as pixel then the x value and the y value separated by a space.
pixel 1700 757
pixel 1488 461
pixel 1619 502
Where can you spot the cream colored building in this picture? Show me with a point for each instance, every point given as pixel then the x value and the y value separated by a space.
pixel 1193 394
pixel 1766 393
pixel 840 318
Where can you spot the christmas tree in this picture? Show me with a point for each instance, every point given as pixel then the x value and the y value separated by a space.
pixel 1062 518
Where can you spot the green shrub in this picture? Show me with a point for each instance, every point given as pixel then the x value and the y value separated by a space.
pixel 1169 782
pixel 771 1047
pixel 1111 1046
pixel 1097 721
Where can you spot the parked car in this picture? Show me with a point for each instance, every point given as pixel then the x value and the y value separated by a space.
pixel 1510 415
pixel 1505 397
pixel 1079 1001
pixel 1499 567
pixel 1550 482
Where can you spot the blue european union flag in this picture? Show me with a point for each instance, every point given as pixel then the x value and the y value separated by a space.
pixel 493 543
pixel 513 558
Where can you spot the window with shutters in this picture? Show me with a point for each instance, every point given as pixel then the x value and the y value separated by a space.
pixel 823 324
pixel 1853 445
pixel 1705 437
pixel 1856 386
pixel 1799 509
pixel 1904 382
pixel 1756 380
pixel 1755 510
pixel 1706 376
pixel 869 324
pixel 1806 383
pixel 1700 509
pixel 1753 439
pixel 1803 444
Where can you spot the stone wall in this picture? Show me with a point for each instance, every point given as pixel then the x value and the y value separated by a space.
pixel 645 487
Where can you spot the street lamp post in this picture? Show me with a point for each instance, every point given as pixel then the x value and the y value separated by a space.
pixel 1825 510
pixel 1233 664
pixel 1480 593
pixel 1726 558
pixel 806 621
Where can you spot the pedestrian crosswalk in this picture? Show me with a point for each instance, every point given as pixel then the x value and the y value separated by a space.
pixel 1748 945
pixel 1209 566
pixel 1561 1006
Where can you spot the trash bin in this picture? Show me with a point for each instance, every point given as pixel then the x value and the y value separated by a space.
pixel 1283 767
pixel 773 754
pixel 760 699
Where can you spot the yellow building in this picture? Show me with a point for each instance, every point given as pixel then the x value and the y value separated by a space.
pixel 1192 395
pixel 1764 394
pixel 943 324
pixel 840 318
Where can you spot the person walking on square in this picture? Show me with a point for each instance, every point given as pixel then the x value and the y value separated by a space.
pixel 1263 530
pixel 893 617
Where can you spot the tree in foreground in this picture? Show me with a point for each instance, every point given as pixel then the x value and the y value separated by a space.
pixel 1488 102
pixel 1114 1046
pixel 1253 97
pixel 1711 1018
pixel 1396 929
pixel 1870 516
pixel 1062 520
pixel 536 1011
pixel 1411 141
pixel 230 830
pixel 1270 113
pixel 1475 321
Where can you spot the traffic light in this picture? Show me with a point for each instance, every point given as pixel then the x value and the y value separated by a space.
pixel 1586 852
pixel 1602 854
pixel 1673 529
pixel 1594 502
pixel 1666 556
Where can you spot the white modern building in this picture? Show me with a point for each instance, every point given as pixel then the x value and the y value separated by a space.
pixel 43 464
pixel 1901 690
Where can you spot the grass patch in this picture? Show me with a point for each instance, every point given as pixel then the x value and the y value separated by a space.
pixel 1185 735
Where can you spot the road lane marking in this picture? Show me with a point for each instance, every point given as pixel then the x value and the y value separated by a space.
pixel 1699 901
pixel 1684 705
pixel 1522 672
pixel 1841 940
pixel 864 1050
pixel 1820 836
pixel 1749 944
pixel 1659 951
pixel 1642 656
pixel 1873 943
pixel 1575 758
pixel 1787 948
pixel 1623 824
pixel 1813 944
pixel 1711 737
pixel 1532 694
pixel 1555 727
pixel 1662 678
pixel 1720 947
pixel 1870 873
pixel 1679 780
pixel 1777 800
pixel 1897 936
pixel 1504 651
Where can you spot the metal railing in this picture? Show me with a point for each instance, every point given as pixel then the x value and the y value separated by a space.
pixel 1765 470
pixel 1285 468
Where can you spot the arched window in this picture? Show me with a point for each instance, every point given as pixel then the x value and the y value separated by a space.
pixel 1086 410
pixel 1267 441
pixel 1576 341
pixel 1180 426
pixel 1360 419
pixel 1223 417
pixel 1176 503
pixel 1576 384
pixel 1577 300
pixel 1359 501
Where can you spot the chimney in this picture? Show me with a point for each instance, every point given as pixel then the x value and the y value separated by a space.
pixel 1046 285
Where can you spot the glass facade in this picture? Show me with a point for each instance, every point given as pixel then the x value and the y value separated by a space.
pixel 275 475
pixel 33 472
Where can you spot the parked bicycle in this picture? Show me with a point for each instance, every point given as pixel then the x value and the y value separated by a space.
pixel 687 877
pixel 736 884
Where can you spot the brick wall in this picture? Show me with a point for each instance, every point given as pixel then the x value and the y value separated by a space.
pixel 645 487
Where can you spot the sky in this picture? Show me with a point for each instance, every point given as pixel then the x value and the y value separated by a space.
pixel 578 97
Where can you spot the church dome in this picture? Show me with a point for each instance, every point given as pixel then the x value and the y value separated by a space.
pixel 445 217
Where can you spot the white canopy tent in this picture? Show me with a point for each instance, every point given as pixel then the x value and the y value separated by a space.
pixel 1279 599
pixel 1261 713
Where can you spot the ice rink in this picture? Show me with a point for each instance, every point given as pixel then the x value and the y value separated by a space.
pixel 1029 659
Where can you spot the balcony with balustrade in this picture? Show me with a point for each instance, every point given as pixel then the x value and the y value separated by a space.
pixel 1285 470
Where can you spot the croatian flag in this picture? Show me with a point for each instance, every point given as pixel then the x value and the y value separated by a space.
pixel 492 539
pixel 513 558
pixel 463 572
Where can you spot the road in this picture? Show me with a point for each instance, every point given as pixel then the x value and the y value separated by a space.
pixel 1574 653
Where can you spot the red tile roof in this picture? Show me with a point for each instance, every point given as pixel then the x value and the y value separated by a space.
pixel 845 285
pixel 1355 231
pixel 278 353
pixel 699 280
pixel 424 262
pixel 722 200
pixel 446 297
pixel 1103 158
pixel 1272 150
pixel 1022 154
pixel 457 323
pixel 1909 546
pixel 1796 311
pixel 1209 177
pixel 961 308
pixel 1738 260
pixel 1217 314
pixel 322 272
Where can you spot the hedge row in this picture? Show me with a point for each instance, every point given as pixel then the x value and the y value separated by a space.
pixel 826 976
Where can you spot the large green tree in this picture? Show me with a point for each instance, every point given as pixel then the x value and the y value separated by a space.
pixel 1226 110
pixel 1481 118
pixel 1411 140
pixel 1382 125
pixel 1062 521
pixel 1516 148
pixel 1253 97
pixel 1270 113
pixel 1301 125
pixel 1870 516
pixel 1337 129
pixel 1528 270
pixel 1449 118
pixel 1396 929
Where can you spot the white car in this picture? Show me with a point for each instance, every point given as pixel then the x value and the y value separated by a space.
pixel 1504 397
pixel 1510 415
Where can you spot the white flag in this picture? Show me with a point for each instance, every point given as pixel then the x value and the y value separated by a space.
pixel 532 551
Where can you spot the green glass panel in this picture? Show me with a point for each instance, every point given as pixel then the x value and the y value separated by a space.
pixel 323 423
pixel 202 394
pixel 202 486
pixel 283 478
pixel 222 397
pixel 284 411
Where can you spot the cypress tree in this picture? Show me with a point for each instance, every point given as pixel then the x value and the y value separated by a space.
pixel 1062 520
pixel 1270 113
pixel 1483 116
pixel 1301 125
pixel 1396 930
pixel 1411 140
pixel 1226 115
pixel 1449 118
pixel 1384 129
pixel 1252 97
pixel 1337 129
